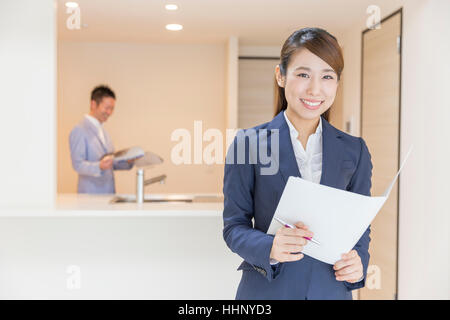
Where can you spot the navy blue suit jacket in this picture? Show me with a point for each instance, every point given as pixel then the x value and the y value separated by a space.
pixel 346 165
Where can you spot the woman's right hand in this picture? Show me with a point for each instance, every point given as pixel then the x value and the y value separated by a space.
pixel 289 242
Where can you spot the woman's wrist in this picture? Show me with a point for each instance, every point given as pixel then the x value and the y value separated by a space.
pixel 273 261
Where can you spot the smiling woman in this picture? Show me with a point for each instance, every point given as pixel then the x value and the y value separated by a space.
pixel 322 52
pixel 274 267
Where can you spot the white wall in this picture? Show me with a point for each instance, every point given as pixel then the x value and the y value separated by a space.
pixel 28 93
pixel 424 210
pixel 424 214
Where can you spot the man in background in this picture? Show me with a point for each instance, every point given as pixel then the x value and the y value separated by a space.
pixel 90 145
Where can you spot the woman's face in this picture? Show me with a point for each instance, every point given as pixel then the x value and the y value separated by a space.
pixel 310 84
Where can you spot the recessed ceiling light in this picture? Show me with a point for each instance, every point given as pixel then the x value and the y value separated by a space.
pixel 171 7
pixel 174 27
pixel 71 4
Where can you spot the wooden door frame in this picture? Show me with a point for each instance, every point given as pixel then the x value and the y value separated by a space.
pixel 399 11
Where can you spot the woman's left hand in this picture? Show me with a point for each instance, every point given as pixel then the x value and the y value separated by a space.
pixel 350 268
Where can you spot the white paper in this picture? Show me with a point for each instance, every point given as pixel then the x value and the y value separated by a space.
pixel 128 154
pixel 338 218
pixel 149 159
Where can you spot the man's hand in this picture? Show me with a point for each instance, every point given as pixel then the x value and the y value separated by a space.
pixel 350 268
pixel 106 163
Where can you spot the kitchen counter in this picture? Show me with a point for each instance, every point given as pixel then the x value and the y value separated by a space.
pixel 83 205
pixel 84 247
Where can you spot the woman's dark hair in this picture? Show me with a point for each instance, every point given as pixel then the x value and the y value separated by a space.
pixel 319 42
pixel 101 91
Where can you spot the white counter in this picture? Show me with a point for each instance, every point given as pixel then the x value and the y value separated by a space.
pixel 86 248
pixel 74 205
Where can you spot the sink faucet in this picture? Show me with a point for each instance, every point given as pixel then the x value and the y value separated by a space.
pixel 159 179
pixel 141 183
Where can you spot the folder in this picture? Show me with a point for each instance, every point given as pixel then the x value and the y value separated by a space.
pixel 338 218
pixel 126 154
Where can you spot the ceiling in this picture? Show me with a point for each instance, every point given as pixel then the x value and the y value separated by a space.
pixel 254 22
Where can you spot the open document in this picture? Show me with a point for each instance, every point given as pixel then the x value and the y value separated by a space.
pixel 338 218
pixel 126 154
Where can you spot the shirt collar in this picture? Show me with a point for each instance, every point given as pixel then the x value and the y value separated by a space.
pixel 294 131
pixel 94 121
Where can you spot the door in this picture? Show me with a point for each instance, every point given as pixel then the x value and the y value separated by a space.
pixel 256 90
pixel 380 128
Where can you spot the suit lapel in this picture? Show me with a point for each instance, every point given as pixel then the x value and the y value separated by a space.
pixel 94 131
pixel 332 149
pixel 331 152
pixel 287 162
pixel 109 146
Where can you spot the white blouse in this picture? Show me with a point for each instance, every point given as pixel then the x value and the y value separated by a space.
pixel 309 161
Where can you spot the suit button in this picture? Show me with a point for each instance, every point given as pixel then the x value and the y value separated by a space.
pixel 261 270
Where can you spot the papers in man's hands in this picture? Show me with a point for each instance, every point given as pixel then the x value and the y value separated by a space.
pixel 149 159
pixel 126 154
pixel 338 218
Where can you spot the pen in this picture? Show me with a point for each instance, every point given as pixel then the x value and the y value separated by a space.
pixel 287 225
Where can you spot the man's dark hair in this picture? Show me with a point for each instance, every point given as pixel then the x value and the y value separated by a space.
pixel 100 92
